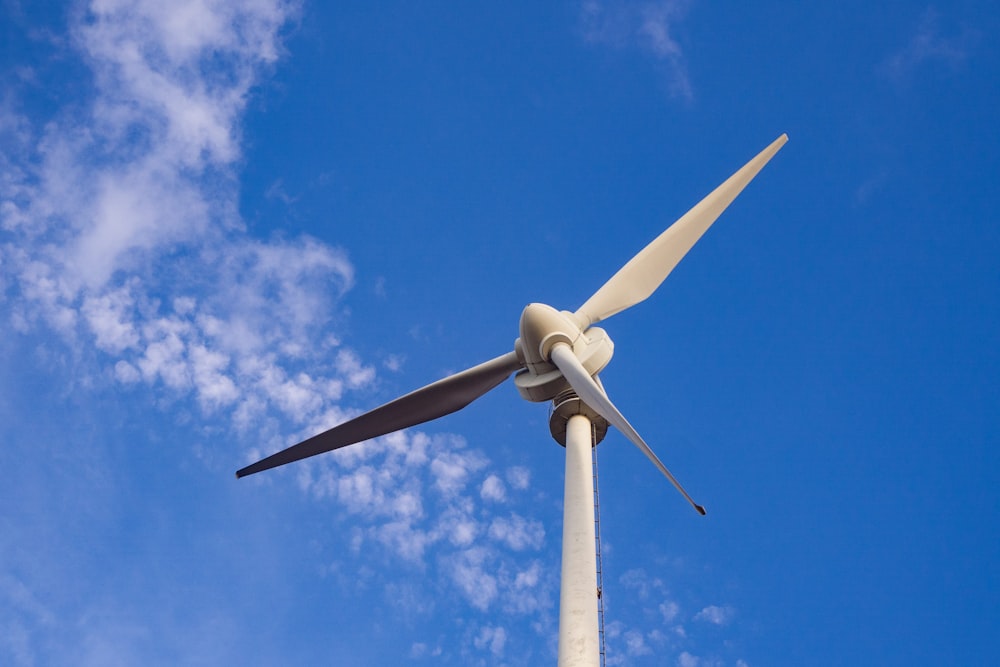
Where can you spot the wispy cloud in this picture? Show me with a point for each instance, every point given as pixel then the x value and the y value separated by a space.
pixel 517 532
pixel 419 497
pixel 493 638
pixel 649 26
pixel 493 489
pixel 686 659
pixel 716 615
pixel 929 44
pixel 653 623
pixel 121 231
pixel 635 643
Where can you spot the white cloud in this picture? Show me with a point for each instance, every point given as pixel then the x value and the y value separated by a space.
pixel 493 638
pixel 669 611
pixel 126 373
pixel 451 469
pixel 421 650
pixel 493 489
pixel 357 374
pixel 408 505
pixel 650 623
pixel 20 596
pixel 394 362
pixel 870 187
pixel 213 387
pixel 517 532
pixel 635 643
pixel 528 578
pixel 716 615
pixel 650 26
pixel 637 580
pixel 529 593
pixel 387 484
pixel 463 532
pixel 519 477
pixel 404 539
pixel 108 318
pixel 163 357
pixel 468 571
pixel 120 222
pixel 927 45
pixel 685 659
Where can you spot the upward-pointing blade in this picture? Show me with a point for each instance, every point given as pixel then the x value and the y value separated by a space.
pixel 591 393
pixel 640 277
pixel 435 400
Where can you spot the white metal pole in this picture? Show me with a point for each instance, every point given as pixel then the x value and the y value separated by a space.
pixel 578 627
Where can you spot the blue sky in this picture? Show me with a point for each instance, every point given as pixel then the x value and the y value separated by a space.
pixel 227 226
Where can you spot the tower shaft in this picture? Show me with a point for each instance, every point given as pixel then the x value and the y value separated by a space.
pixel 578 625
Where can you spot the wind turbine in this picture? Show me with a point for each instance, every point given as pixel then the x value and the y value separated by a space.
pixel 557 358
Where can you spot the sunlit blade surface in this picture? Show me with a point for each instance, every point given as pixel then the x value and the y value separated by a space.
pixel 640 277
pixel 591 393
pixel 435 400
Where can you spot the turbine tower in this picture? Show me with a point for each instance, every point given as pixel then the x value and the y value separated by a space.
pixel 557 358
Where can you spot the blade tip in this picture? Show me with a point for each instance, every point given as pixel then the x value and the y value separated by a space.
pixel 701 510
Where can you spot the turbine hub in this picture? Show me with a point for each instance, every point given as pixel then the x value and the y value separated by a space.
pixel 542 327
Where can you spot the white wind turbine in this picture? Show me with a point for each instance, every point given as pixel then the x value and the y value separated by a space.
pixel 557 358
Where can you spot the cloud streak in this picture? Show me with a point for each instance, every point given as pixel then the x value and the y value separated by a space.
pixel 927 45
pixel 648 26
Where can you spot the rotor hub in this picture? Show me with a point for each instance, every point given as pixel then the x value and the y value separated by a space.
pixel 542 327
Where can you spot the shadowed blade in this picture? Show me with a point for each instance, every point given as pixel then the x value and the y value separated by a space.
pixel 591 393
pixel 435 400
pixel 640 277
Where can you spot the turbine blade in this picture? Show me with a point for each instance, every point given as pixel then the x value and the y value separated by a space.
pixel 640 277
pixel 435 400
pixel 591 393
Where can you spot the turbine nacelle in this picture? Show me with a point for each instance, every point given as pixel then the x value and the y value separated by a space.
pixel 542 328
